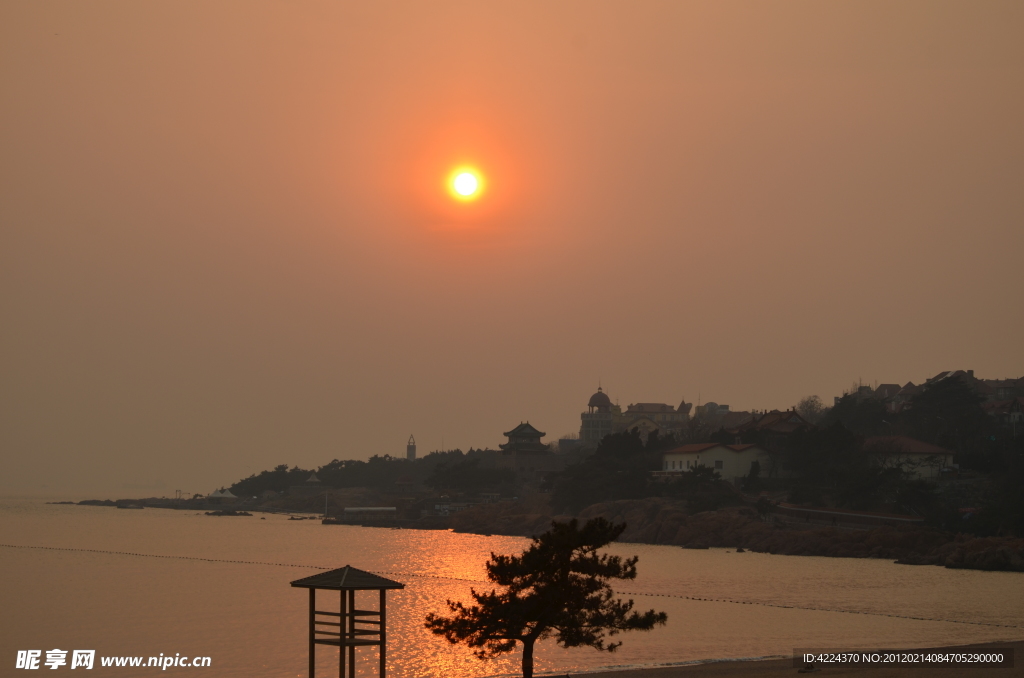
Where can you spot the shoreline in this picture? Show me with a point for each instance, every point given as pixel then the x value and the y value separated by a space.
pixel 660 522
pixel 777 667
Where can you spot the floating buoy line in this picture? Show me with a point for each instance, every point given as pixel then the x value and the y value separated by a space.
pixel 479 581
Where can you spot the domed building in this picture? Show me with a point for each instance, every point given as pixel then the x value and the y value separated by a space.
pixel 600 402
pixel 602 417
pixel 599 418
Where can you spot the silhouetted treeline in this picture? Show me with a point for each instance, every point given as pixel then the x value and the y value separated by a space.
pixel 449 470
pixel 832 466
pixel 823 465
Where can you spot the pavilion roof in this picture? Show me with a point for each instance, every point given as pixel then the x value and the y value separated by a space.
pixel 347 578
pixel 526 431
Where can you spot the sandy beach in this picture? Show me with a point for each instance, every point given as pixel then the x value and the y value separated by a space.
pixel 779 668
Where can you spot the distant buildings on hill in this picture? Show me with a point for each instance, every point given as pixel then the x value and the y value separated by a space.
pixel 603 418
pixel 525 453
pixel 1000 397
pixel 733 463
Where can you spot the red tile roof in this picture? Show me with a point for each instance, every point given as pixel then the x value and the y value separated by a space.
pixel 692 448
pixel 733 420
pixel 778 422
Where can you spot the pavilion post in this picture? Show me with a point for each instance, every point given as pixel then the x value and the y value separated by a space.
pixel 352 633
pixel 341 638
pixel 355 627
pixel 383 634
pixel 312 633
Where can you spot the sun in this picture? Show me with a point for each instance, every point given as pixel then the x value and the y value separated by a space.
pixel 466 183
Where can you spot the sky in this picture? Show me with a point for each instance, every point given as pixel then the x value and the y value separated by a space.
pixel 226 241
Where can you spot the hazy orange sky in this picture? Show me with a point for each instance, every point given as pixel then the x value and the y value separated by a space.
pixel 225 241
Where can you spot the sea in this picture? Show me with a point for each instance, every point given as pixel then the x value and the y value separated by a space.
pixel 181 583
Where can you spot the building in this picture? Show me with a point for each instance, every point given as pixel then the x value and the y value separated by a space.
pixel 903 397
pixel 603 418
pixel 773 429
pixel 887 392
pixel 988 389
pixel 921 459
pixel 892 395
pixel 410 449
pixel 525 454
pixel 599 419
pixel 732 462
pixel 221 496
pixel 715 417
pixel 524 439
pixel 897 398
pixel 311 487
pixel 1004 389
pixel 661 414
pixel 1007 412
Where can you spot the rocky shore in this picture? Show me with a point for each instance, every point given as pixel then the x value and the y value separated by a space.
pixel 666 521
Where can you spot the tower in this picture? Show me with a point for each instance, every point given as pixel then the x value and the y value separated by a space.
pixel 410 449
pixel 597 421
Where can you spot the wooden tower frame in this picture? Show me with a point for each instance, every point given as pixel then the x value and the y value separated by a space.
pixel 354 627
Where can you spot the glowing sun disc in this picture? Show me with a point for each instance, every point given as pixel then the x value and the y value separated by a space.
pixel 466 184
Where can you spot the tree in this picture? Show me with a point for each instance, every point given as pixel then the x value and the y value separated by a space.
pixel 865 416
pixel 618 469
pixel 467 476
pixel 811 408
pixel 948 413
pixel 556 588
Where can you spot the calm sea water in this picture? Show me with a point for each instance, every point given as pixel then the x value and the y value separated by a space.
pixel 246 617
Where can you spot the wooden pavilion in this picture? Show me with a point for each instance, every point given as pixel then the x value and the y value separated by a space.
pixel 354 627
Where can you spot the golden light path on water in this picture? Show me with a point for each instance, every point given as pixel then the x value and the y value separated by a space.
pixel 151 581
pixel 483 584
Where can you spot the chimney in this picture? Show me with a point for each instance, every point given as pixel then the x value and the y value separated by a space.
pixel 970 373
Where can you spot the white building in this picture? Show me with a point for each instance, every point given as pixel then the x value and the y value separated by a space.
pixel 922 460
pixel 730 461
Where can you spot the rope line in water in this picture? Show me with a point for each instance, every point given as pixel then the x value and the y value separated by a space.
pixel 478 581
